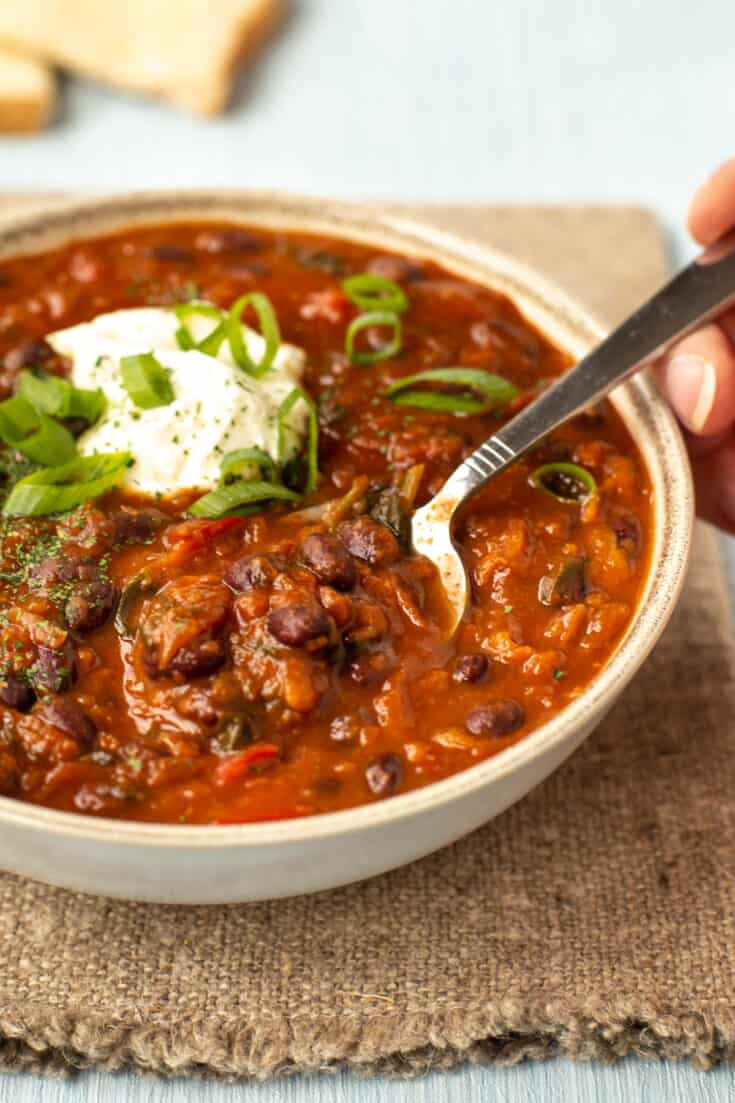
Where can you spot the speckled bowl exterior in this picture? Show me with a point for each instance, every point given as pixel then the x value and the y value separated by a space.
pixel 207 865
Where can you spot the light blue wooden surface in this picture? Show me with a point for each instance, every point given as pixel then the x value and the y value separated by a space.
pixel 431 100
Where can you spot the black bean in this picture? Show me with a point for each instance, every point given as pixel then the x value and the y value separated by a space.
pixel 384 775
pixel 395 268
pixel 203 657
pixel 136 526
pixel 16 693
pixel 246 269
pixel 166 251
pixel 30 354
pixel 232 240
pixel 627 529
pixel 59 569
pixel 470 668
pixel 321 260
pixel 252 572
pixel 90 605
pixel 499 718
pixel 368 540
pixel 329 559
pixel 54 670
pixel 297 625
pixel 70 718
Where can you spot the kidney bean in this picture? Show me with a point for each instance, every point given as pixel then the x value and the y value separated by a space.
pixel 90 605
pixel 368 540
pixel 16 693
pixel 497 719
pixel 232 240
pixel 69 717
pixel 297 625
pixel 384 775
pixel 252 572
pixel 54 670
pixel 470 668
pixel 329 559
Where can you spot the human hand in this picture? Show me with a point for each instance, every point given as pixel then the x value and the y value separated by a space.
pixel 698 374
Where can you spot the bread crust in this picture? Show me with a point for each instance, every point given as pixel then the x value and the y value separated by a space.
pixel 183 51
pixel 27 94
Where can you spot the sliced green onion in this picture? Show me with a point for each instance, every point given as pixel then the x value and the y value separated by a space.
pixel 50 445
pixel 373 318
pixel 269 330
pixel 497 390
pixel 146 380
pixel 312 453
pixel 234 463
pixel 375 293
pixel 567 482
pixel 449 403
pixel 34 434
pixel 49 394
pixel 185 311
pixel 228 328
pixel 227 499
pixel 17 419
pixel 58 489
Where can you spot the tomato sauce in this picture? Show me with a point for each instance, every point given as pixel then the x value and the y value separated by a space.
pixel 158 667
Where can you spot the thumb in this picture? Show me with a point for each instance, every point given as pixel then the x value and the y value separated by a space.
pixel 698 379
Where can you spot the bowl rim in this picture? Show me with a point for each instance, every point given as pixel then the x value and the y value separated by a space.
pixel 552 310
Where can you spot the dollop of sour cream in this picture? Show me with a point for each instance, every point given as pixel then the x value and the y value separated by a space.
pixel 217 407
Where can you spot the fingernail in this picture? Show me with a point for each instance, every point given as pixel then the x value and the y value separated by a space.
pixel 691 384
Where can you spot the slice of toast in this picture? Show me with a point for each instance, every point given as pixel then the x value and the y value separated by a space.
pixel 27 93
pixel 185 51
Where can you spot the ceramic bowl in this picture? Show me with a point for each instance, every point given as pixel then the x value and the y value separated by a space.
pixel 207 865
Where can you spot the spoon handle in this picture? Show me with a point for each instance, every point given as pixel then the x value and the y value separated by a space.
pixel 697 293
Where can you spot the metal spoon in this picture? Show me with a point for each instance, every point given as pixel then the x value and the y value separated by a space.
pixel 703 289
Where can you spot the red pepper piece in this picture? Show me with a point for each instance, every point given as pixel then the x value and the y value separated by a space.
pixel 236 766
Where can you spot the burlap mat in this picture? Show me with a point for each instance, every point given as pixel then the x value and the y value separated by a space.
pixel 597 917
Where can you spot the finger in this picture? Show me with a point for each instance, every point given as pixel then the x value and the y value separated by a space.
pixel 714 483
pixel 698 379
pixel 712 209
pixel 726 322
